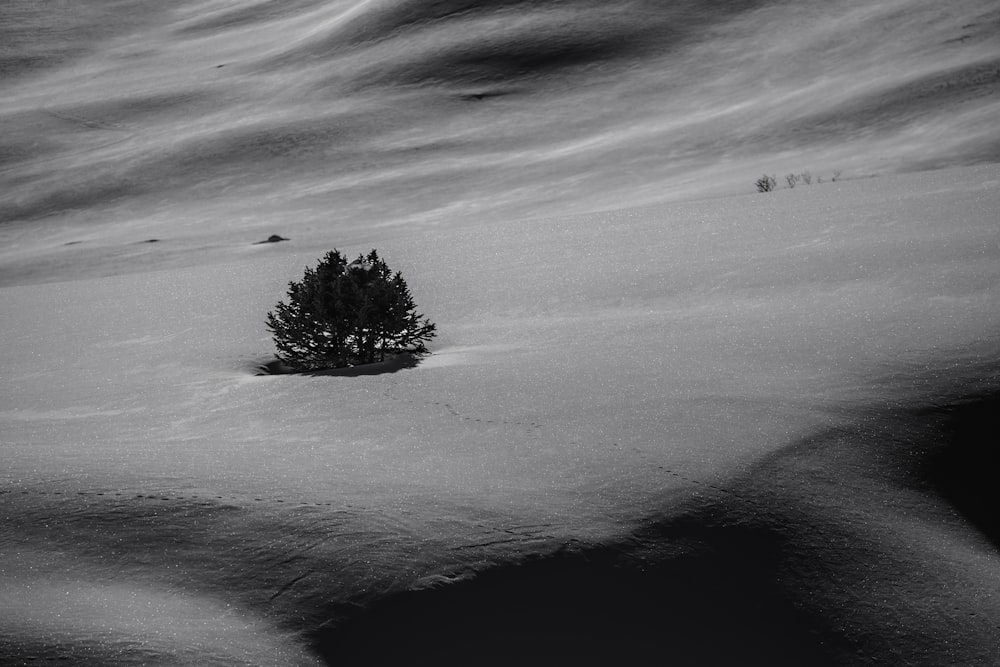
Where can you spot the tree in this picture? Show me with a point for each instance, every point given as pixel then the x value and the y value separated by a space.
pixel 343 314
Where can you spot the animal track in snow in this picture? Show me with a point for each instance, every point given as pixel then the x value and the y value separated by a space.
pixel 450 409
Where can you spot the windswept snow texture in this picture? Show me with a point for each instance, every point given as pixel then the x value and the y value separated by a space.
pixel 205 121
pixel 666 420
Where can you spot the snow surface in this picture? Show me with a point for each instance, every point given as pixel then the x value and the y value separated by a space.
pixel 653 427
pixel 581 383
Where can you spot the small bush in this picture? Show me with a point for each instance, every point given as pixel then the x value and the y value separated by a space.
pixel 766 183
pixel 343 314
pixel 806 177
pixel 792 179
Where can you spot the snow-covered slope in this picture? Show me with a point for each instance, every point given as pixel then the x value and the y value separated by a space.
pixel 593 374
pixel 210 121
pixel 739 429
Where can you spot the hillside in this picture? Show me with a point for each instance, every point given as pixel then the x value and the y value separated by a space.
pixel 666 419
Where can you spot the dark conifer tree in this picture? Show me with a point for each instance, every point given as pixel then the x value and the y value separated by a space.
pixel 343 314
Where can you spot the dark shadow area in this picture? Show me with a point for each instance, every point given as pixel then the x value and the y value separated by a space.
pixel 716 603
pixel 964 470
pixel 712 582
pixel 392 365
pixel 509 62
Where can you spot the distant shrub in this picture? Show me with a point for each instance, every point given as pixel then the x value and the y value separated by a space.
pixel 766 183
pixel 806 177
pixel 343 314
pixel 792 180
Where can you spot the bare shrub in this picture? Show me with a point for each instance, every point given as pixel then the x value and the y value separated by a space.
pixel 766 183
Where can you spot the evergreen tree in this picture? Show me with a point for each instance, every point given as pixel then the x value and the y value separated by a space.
pixel 343 314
